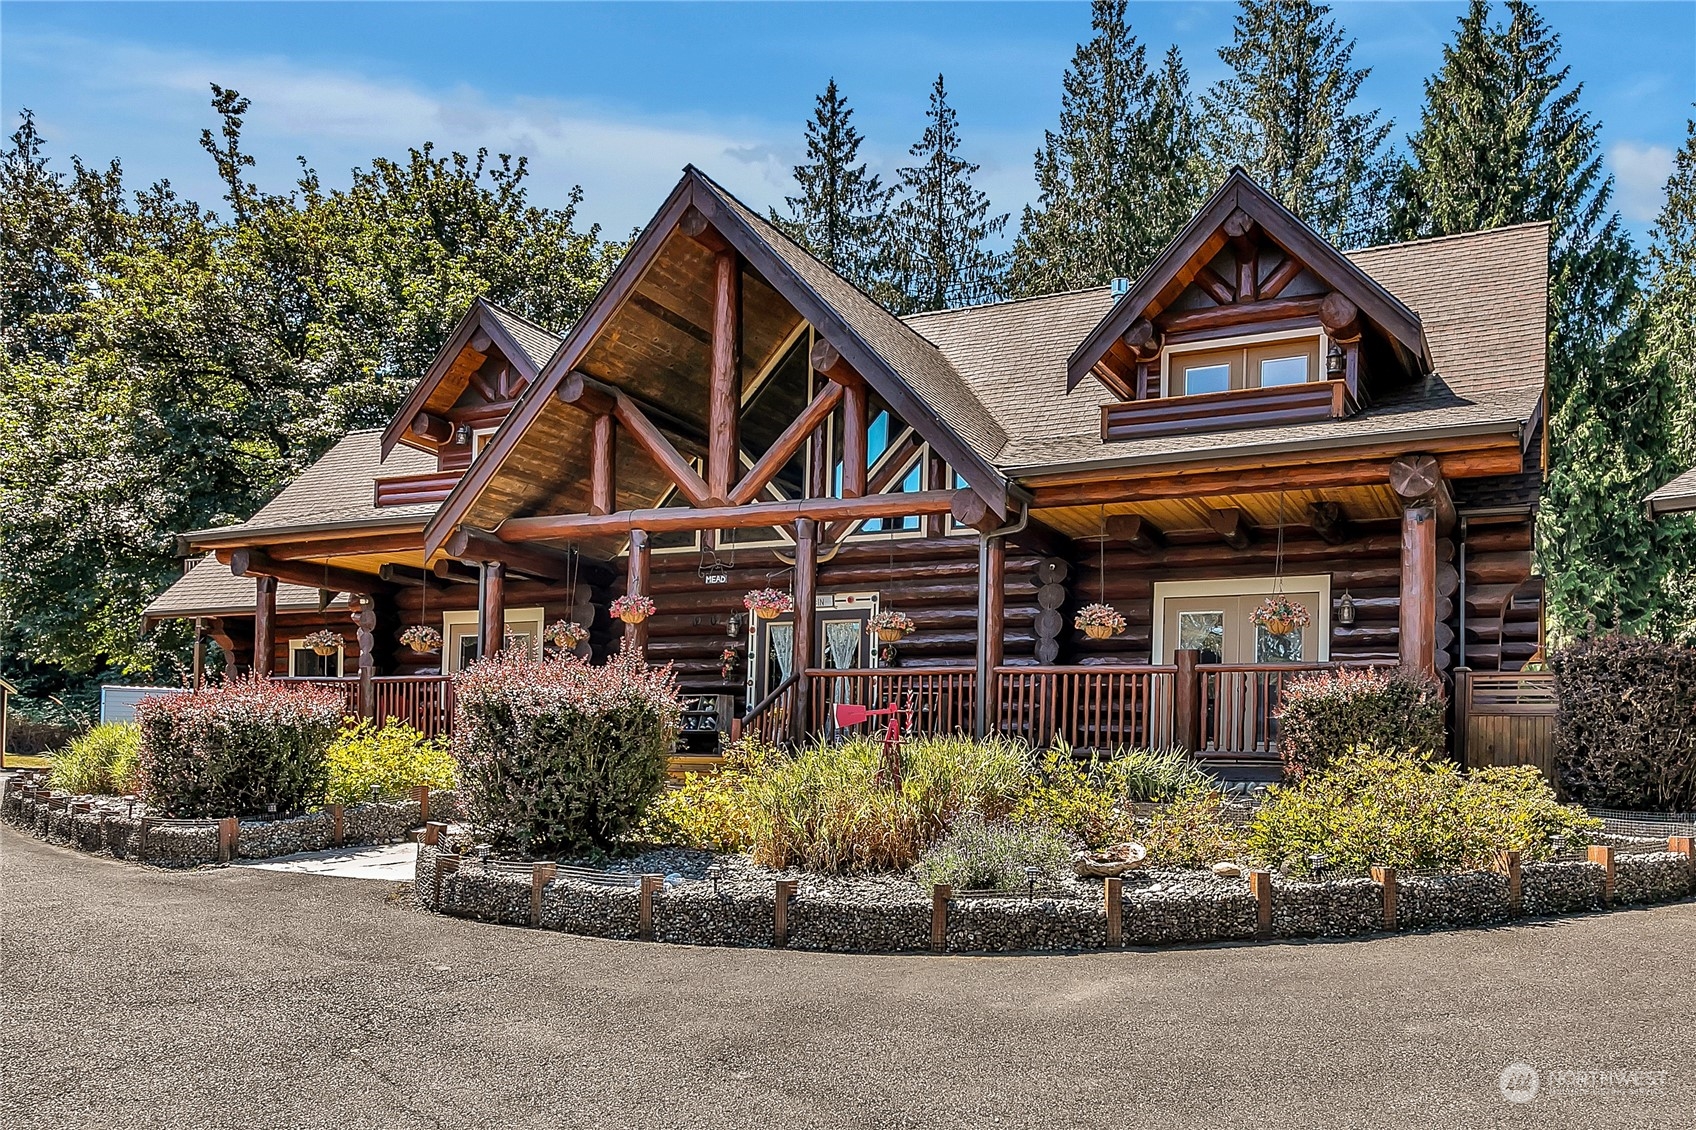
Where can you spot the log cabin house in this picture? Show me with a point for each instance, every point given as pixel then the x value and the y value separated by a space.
pixel 1257 413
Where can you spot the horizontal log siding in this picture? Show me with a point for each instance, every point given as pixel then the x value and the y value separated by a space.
pixel 934 580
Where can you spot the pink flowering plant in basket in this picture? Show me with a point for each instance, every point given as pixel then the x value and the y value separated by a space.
pixel 768 604
pixel 237 748
pixel 891 625
pixel 323 641
pixel 1099 620
pixel 421 637
pixel 633 609
pixel 558 755
pixel 566 633
pixel 1280 614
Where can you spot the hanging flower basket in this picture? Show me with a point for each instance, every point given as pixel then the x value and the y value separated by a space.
pixel 768 604
pixel 1099 621
pixel 892 626
pixel 421 638
pixel 566 633
pixel 633 609
pixel 323 642
pixel 1280 615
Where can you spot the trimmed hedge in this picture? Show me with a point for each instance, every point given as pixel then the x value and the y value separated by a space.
pixel 1625 735
pixel 1330 713
pixel 558 755
pixel 236 748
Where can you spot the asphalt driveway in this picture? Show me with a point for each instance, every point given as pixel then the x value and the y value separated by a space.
pixel 240 997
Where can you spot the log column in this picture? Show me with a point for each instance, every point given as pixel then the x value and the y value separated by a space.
pixel 264 625
pixel 992 623
pixel 853 439
pixel 602 468
pixel 724 397
pixel 491 608
pixel 365 632
pixel 806 590
pixel 636 582
pixel 1418 613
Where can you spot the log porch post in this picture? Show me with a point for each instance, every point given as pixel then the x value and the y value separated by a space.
pixel 992 622
pixel 491 608
pixel 199 659
pixel 806 589
pixel 264 625
pixel 636 582
pixel 1418 610
pixel 724 398
pixel 365 625
pixel 853 439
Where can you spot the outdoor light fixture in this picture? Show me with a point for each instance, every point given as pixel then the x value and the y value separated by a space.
pixel 462 435
pixel 733 626
pixel 1557 844
pixel 715 872
pixel 1032 874
pixel 271 810
pixel 131 801
pixel 1334 363
pixel 1345 609
pixel 373 794
pixel 1316 861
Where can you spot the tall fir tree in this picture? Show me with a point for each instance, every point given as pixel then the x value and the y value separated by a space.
pixel 1117 179
pixel 940 226
pixel 1671 307
pixel 1287 114
pixel 841 210
pixel 1502 140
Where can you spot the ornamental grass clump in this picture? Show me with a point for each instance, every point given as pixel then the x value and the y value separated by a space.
pixel 391 758
pixel 243 747
pixel 1091 798
pixel 1326 714
pixel 104 761
pixel 824 808
pixel 1413 812
pixel 556 755
pixel 983 855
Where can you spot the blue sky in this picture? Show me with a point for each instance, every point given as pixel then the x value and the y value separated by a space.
pixel 618 97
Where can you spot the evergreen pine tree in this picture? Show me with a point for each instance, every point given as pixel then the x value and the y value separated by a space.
pixel 1114 182
pixel 1286 114
pixel 840 211
pixel 1502 140
pixel 940 225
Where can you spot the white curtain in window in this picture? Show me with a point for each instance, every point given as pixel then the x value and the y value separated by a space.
pixel 783 649
pixel 842 641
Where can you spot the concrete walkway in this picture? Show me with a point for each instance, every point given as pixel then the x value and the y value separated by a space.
pixel 387 863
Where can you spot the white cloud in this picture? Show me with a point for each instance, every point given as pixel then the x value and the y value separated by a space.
pixel 1640 172
pixel 149 105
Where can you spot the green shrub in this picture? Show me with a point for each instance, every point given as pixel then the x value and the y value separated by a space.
pixel 393 757
pixel 1192 831
pixel 235 748
pixel 558 755
pixel 1411 812
pixel 712 811
pixel 1326 714
pixel 977 854
pixel 824 809
pixel 1090 798
pixel 104 760
pixel 1625 736
pixel 1159 775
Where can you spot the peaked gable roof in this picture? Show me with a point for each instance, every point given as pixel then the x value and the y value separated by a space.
pixel 1240 192
pixel 905 369
pixel 526 346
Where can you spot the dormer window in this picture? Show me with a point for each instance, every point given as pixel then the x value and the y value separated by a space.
pixel 1246 364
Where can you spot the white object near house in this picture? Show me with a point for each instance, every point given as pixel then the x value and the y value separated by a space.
pixel 117 704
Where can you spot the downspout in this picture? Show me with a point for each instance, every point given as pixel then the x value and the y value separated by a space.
pixel 980 711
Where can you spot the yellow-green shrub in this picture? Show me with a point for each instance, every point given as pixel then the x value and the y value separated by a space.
pixel 393 757
pixel 1091 798
pixel 1192 831
pixel 1412 812
pixel 712 811
pixel 104 760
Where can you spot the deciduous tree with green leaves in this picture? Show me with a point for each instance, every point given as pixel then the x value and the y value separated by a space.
pixel 1288 114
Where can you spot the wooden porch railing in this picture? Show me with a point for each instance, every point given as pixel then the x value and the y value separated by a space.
pixel 942 698
pixel 771 719
pixel 1101 708
pixel 423 701
pixel 1239 704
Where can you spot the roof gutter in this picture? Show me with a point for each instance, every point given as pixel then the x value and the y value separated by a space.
pixel 271 535
pixel 1280 447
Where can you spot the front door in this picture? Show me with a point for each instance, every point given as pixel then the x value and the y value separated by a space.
pixel 842 641
pixel 1219 628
